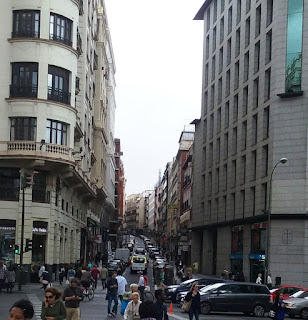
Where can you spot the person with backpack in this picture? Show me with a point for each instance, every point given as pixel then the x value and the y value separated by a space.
pixel 147 310
pixel 161 309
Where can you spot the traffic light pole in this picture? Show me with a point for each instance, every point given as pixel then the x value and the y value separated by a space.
pixel 22 239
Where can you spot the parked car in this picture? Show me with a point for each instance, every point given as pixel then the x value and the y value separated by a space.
pixel 139 263
pixel 287 291
pixel 235 297
pixel 172 292
pixel 297 306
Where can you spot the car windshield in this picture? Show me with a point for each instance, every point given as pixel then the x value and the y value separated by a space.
pixel 211 287
pixel 187 282
pixel 139 260
pixel 297 294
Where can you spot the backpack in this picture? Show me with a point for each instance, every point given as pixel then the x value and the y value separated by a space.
pixel 145 280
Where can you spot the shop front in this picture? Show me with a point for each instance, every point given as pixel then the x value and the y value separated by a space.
pixel 7 240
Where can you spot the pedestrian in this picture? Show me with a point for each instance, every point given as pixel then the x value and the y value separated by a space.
pixel 121 284
pixel 194 296
pixel 161 309
pixel 10 278
pixel 259 279
pixel 132 309
pixel 95 273
pixel 195 267
pixel 97 258
pixel 141 285
pixel 147 310
pixel 70 273
pixel 61 275
pixel 52 307
pixel 279 307
pixel 162 278
pixel 269 281
pixel 72 296
pixel 78 273
pixel 128 294
pixel 86 277
pixel 45 279
pixel 112 293
pixel 21 310
pixel 2 275
pixel 104 276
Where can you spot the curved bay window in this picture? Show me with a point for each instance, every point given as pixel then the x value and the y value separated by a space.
pixel 26 24
pixel 56 132
pixel 60 29
pixel 24 80
pixel 23 129
pixel 58 84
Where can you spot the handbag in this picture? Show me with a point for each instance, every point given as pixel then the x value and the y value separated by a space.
pixel 271 314
pixel 186 305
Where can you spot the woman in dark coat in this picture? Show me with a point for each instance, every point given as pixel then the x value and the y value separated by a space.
pixel 279 307
pixel 194 295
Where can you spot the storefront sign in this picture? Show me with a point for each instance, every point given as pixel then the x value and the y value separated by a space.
pixel 39 230
pixel 236 256
pixel 7 228
pixel 97 239
pixel 256 256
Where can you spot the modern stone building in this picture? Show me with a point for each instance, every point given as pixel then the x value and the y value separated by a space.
pixel 254 113
pixel 48 128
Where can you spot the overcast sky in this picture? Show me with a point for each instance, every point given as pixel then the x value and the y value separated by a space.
pixel 158 54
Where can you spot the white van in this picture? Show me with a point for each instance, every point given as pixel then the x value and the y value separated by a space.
pixel 122 254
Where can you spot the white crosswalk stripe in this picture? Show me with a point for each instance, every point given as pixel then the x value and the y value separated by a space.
pixel 37 305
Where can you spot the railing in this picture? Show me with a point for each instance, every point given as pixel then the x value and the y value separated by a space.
pixel 40 195
pixel 17 91
pixel 55 148
pixel 9 194
pixel 25 34
pixel 57 38
pixel 21 146
pixel 59 95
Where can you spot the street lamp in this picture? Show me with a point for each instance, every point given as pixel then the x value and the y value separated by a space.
pixel 268 227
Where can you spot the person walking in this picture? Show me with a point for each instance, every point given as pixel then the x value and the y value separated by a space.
pixel 72 296
pixel 269 281
pixel 121 284
pixel 279 307
pixel 40 273
pixel 259 279
pixel 161 309
pixel 2 275
pixel 70 273
pixel 104 276
pixel 45 279
pixel 61 275
pixel 112 292
pixel 95 273
pixel 132 309
pixel 86 277
pixel 21 310
pixel 194 296
pixel 10 278
pixel 52 307
pixel 147 310
pixel 141 285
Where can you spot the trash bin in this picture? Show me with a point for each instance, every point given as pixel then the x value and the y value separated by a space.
pixel 277 281
pixel 24 277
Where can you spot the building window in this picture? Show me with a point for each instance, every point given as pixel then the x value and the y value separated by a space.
pixel 253 165
pixel 219 90
pixel 253 200
pixel 39 192
pixel 233 205
pixel 212 96
pixel 256 93
pixel 264 196
pixel 238 42
pixel 211 155
pixel 235 108
pixel 229 47
pixel 228 83
pixel 208 20
pixel 60 29
pixel 206 75
pixel 222 29
pixel 245 100
pixel 214 39
pixel 225 185
pixel 218 150
pixel 243 173
pixel 210 183
pixel 267 85
pixel 26 24
pixel 238 11
pixel 257 57
pixel 221 59
pixel 236 75
pixel 213 67
pixel 58 84
pixel 207 47
pixel 56 132
pixel 204 158
pixel 217 180
pixel 227 107
pixel 247 32
pixel 211 125
pixel 254 129
pixel 234 173
pixel 234 141
pixel 230 20
pixel 23 129
pixel 218 120
pixel 243 198
pixel 265 161
pixel 9 184
pixel 269 18
pixel 224 198
pixel 246 66
pixel 248 5
pixel 237 241
pixel 204 130
pixel 244 135
pixel 205 102
pixel 24 80
pixel 268 50
pixel 266 123
pixel 215 11
pixel 258 21
pixel 258 241
pixel 226 146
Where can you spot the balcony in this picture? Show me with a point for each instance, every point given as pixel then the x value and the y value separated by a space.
pixel 95 61
pixel 25 34
pixel 59 95
pixel 23 91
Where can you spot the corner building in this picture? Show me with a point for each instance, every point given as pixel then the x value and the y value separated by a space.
pixel 254 112
pixel 47 95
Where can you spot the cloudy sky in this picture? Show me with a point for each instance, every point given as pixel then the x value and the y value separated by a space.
pixel 158 53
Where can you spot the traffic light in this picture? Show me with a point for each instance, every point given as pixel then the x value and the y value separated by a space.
pixel 26 180
pixel 28 245
pixel 16 249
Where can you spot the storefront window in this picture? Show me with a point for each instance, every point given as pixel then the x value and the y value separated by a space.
pixel 7 240
pixel 258 241
pixel 237 242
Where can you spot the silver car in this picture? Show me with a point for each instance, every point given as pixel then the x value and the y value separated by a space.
pixel 297 306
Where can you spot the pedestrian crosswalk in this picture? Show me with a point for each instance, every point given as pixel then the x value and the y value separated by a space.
pixel 37 305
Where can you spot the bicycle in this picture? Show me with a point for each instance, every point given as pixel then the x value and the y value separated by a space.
pixel 88 292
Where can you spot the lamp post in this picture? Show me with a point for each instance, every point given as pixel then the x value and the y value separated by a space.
pixel 268 227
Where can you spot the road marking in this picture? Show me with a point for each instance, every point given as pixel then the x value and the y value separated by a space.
pixel 37 305
pixel 176 316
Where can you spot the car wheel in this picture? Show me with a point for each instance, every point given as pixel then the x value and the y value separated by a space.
pixel 205 308
pixel 258 310
pixel 304 313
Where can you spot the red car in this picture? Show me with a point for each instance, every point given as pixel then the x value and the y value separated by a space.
pixel 286 289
